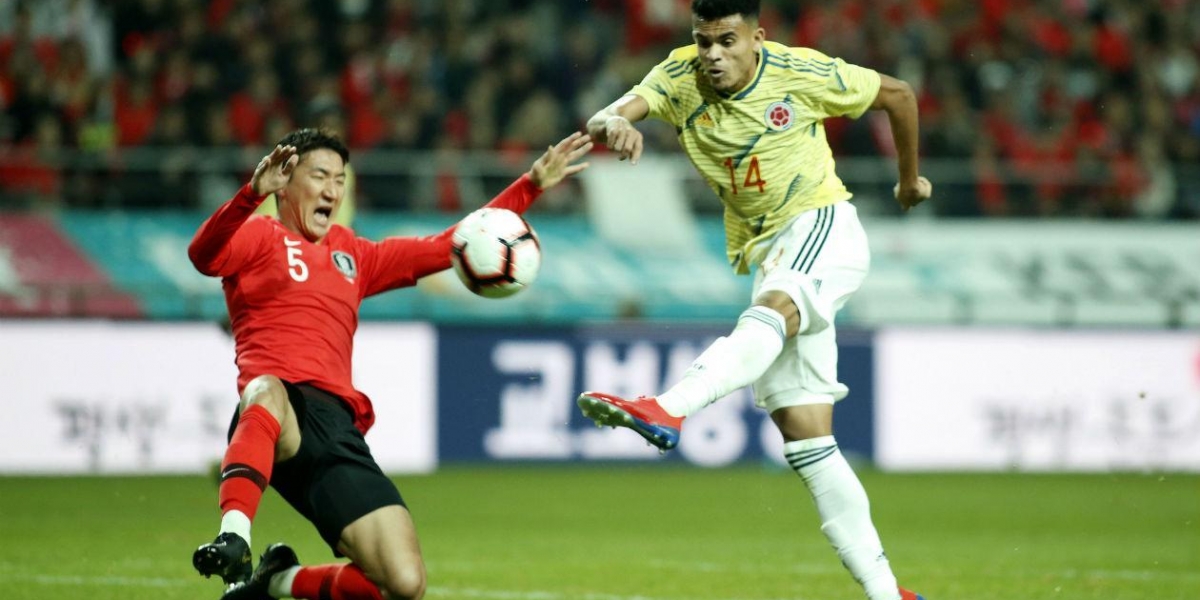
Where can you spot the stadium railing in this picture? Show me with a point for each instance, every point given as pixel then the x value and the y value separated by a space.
pixel 1037 271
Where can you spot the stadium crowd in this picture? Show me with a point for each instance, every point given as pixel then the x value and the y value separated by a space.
pixel 1058 107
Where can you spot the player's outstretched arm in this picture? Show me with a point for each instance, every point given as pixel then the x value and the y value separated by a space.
pixel 209 250
pixel 613 126
pixel 414 258
pixel 897 99
pixel 274 170
pixel 559 161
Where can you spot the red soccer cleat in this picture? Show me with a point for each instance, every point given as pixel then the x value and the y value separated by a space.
pixel 907 595
pixel 643 415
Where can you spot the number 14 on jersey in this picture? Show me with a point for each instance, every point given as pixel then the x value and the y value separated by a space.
pixel 753 177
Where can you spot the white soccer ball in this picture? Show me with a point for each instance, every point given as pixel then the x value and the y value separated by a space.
pixel 495 252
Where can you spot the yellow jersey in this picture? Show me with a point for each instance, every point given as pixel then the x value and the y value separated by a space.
pixel 762 149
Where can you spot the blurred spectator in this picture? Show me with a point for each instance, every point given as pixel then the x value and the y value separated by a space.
pixel 250 108
pixel 31 171
pixel 85 22
pixel 1058 108
pixel 136 112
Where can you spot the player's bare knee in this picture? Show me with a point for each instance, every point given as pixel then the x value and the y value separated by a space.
pixel 804 422
pixel 404 582
pixel 783 304
pixel 268 392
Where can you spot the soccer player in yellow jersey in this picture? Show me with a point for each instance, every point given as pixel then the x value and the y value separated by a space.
pixel 750 115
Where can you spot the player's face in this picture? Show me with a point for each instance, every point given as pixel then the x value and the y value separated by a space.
pixel 729 49
pixel 310 200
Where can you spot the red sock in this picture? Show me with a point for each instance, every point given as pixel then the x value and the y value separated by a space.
pixel 246 469
pixel 334 582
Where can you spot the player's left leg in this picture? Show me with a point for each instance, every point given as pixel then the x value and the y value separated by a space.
pixel 842 504
pixel 799 391
pixel 384 544
pixel 385 559
pixel 841 501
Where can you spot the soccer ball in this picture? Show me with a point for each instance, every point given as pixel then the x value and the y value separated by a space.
pixel 495 252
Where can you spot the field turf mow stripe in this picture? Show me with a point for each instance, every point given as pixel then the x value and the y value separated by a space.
pixel 457 592
pixel 434 591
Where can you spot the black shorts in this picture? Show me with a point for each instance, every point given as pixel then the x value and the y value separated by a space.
pixel 332 480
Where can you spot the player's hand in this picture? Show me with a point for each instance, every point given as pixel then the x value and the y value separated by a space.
pixel 558 162
pixel 913 193
pixel 274 170
pixel 623 138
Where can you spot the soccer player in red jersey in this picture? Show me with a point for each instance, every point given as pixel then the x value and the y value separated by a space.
pixel 293 286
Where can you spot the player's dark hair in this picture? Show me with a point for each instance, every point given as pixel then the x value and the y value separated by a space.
pixel 711 10
pixel 309 139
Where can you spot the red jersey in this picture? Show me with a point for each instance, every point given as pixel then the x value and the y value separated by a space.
pixel 294 304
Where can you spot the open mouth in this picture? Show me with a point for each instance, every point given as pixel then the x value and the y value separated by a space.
pixel 323 214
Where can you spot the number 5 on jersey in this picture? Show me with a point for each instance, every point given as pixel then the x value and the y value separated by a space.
pixel 753 175
pixel 296 267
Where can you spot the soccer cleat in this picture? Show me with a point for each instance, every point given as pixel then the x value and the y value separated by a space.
pixel 907 595
pixel 227 556
pixel 643 415
pixel 277 558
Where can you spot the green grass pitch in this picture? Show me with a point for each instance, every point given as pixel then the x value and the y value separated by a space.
pixel 654 532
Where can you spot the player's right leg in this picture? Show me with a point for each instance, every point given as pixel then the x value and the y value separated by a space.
pixel 335 483
pixel 264 431
pixel 787 303
pixel 729 363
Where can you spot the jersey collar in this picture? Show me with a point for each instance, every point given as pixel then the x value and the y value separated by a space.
pixel 762 66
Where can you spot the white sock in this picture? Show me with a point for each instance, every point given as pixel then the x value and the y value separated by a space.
pixel 280 585
pixel 237 522
pixel 845 513
pixel 729 363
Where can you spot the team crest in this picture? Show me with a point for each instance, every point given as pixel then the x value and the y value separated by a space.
pixel 345 263
pixel 780 116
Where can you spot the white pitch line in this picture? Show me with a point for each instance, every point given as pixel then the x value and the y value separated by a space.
pixel 453 592
pixel 99 581
pixel 1128 575
pixel 495 594
pixel 726 567
pixel 444 591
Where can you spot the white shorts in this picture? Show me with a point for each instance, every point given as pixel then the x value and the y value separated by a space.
pixel 819 260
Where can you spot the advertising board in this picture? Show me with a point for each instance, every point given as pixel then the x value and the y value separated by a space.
pixel 508 394
pixel 121 397
pixel 1037 400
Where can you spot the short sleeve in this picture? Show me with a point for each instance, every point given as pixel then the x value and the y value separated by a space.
pixel 658 89
pixel 848 90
